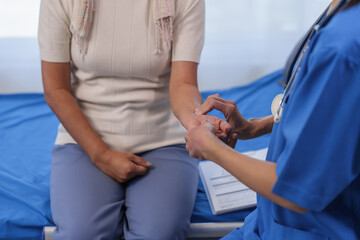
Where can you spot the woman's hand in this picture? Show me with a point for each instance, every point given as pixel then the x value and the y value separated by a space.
pixel 222 129
pixel 240 126
pixel 199 140
pixel 121 166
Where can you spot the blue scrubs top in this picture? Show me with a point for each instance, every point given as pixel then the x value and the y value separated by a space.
pixel 316 145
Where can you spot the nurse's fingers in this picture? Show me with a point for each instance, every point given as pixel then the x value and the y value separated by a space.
pixel 232 140
pixel 224 130
pixel 208 105
pixel 216 102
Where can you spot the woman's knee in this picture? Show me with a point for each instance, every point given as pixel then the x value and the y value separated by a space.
pixel 79 231
pixel 87 229
pixel 159 231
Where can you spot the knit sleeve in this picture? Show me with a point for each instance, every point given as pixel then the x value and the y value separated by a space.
pixel 54 35
pixel 189 30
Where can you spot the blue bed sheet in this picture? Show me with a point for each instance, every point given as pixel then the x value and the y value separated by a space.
pixel 27 132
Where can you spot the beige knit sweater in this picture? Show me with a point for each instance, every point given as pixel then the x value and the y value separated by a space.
pixel 120 84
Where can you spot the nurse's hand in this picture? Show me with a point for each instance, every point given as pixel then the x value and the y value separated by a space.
pixel 121 166
pixel 199 139
pixel 244 129
pixel 221 128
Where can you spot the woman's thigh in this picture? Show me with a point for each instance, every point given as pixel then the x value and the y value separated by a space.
pixel 159 205
pixel 85 202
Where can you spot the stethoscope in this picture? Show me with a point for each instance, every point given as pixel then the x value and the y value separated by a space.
pixel 293 65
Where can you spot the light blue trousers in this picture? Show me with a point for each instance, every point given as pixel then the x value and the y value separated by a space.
pixel 86 204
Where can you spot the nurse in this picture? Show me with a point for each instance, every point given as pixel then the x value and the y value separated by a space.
pixel 309 187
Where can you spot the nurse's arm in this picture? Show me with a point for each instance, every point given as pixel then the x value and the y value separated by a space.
pixel 258 175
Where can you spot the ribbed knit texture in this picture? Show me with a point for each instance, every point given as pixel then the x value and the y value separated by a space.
pixel 164 13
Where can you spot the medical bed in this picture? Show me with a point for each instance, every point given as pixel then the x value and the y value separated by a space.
pixel 27 132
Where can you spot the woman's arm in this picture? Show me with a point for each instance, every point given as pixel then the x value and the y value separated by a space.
pixel 185 98
pixel 258 175
pixel 57 92
pixel 184 93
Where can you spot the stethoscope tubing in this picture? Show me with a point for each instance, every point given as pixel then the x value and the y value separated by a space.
pixel 299 56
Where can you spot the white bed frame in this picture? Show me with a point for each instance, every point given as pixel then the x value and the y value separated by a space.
pixel 198 231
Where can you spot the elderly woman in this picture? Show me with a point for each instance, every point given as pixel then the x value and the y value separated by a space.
pixel 112 70
pixel 309 187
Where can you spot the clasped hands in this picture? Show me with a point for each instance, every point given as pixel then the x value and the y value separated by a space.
pixel 205 132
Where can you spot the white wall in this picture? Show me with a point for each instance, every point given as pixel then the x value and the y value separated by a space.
pixel 19 18
pixel 245 39
pixel 19 65
pixel 19 55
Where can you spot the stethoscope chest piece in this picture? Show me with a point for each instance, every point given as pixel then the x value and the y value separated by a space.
pixel 276 108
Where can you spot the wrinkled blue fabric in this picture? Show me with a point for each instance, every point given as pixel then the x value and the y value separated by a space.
pixel 27 133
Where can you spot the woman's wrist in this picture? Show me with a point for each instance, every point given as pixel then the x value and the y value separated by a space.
pixel 98 153
pixel 189 121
